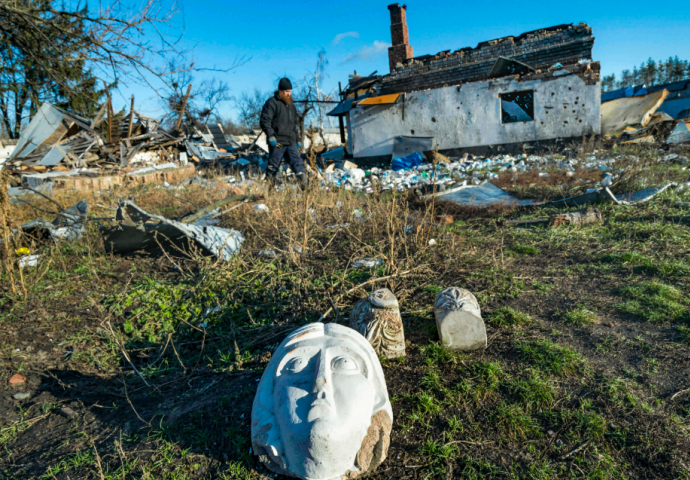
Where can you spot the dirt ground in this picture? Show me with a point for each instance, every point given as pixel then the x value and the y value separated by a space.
pixel 146 365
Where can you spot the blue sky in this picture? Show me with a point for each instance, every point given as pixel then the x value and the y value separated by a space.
pixel 283 38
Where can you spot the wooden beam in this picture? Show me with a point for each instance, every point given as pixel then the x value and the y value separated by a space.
pixel 184 107
pixel 131 118
pixel 341 124
pixel 99 116
pixel 110 118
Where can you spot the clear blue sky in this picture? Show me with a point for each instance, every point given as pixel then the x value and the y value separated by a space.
pixel 283 37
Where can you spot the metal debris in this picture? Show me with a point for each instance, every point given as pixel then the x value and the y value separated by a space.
pixel 135 231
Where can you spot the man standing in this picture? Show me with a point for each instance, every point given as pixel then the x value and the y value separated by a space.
pixel 279 123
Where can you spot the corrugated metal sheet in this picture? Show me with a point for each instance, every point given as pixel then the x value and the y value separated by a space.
pixel 46 125
pixel 618 114
pixel 346 105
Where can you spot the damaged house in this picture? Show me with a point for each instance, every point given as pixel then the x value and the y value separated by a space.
pixel 538 86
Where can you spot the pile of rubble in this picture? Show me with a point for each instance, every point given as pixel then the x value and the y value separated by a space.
pixel 58 145
pixel 473 170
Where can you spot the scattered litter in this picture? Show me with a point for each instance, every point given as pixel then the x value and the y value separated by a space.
pixel 432 242
pixel 21 396
pixel 29 261
pixel 260 208
pixel 296 249
pixel 68 226
pixel 367 263
pixel 17 379
pixel 354 176
pixel 408 162
pixel 482 195
pixel 269 253
pixel 337 227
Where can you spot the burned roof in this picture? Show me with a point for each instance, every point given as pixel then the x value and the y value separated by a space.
pixel 538 50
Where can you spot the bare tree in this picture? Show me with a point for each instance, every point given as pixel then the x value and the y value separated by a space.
pixel 205 97
pixel 311 102
pixel 250 106
pixel 43 41
pixel 315 103
pixel 232 128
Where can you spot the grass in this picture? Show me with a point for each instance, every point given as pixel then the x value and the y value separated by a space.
pixel 514 423
pixel 580 316
pixel 645 264
pixel 551 358
pixel 201 333
pixel 522 249
pixel 508 317
pixel 435 354
pixel 533 393
pixel 655 302
pixel 684 333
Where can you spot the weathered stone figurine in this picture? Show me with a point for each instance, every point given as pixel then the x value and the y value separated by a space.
pixel 321 411
pixel 459 320
pixel 377 317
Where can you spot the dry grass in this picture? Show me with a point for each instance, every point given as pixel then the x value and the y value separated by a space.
pixel 548 398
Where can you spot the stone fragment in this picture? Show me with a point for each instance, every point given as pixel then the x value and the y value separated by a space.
pixel 68 412
pixel 459 320
pixel 321 410
pixel 17 379
pixel 377 317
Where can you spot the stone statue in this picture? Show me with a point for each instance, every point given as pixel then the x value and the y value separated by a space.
pixel 459 320
pixel 321 411
pixel 377 317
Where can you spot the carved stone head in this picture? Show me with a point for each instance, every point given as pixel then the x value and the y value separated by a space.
pixel 454 298
pixel 377 317
pixel 321 411
pixel 459 320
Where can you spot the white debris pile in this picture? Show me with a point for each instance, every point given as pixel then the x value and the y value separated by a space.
pixel 470 170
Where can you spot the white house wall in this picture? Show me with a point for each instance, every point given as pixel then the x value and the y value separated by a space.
pixel 469 115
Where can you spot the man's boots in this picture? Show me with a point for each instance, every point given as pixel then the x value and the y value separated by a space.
pixel 271 181
pixel 303 178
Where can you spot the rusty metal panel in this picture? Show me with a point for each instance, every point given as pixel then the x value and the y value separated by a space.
pixel 380 100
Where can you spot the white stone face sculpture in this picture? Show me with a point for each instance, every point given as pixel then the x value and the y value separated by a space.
pixel 459 320
pixel 377 317
pixel 321 411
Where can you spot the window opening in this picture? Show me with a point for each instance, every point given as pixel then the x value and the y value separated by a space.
pixel 517 106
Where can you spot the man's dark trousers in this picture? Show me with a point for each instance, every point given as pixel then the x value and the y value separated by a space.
pixel 290 153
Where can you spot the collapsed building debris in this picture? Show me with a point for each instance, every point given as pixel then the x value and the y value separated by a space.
pixel 474 97
pixel 680 133
pixel 135 231
pixel 617 115
pixel 69 225
pixel 112 149
pixel 641 114
pixel 677 101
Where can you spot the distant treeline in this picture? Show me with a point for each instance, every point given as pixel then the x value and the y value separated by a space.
pixel 649 73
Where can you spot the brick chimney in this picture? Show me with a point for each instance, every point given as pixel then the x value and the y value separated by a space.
pixel 400 38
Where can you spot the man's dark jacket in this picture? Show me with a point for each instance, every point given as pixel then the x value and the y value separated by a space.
pixel 279 120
